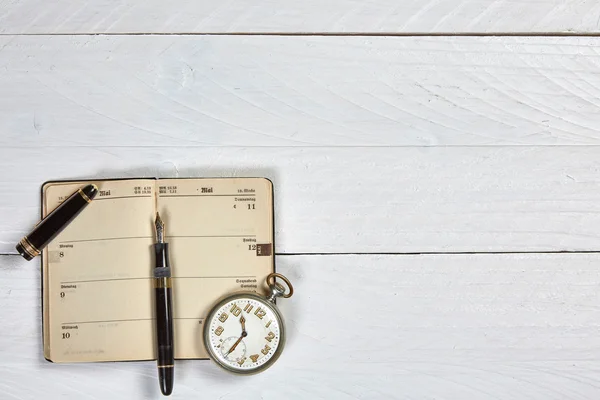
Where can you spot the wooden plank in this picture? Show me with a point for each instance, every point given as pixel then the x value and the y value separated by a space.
pixel 357 199
pixel 300 91
pixel 152 16
pixel 385 327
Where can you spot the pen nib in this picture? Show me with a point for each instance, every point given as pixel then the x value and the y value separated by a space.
pixel 160 229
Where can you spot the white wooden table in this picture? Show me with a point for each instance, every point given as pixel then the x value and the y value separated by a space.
pixel 436 167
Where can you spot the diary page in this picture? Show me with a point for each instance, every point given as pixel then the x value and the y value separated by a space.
pixel 220 235
pixel 98 294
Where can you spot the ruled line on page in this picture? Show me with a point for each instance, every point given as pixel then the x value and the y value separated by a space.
pixel 151 277
pixel 208 195
pixel 120 197
pixel 123 320
pixel 151 237
pixel 102 239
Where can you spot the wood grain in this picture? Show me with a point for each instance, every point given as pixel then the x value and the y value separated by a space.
pixel 374 327
pixel 332 121
pixel 445 16
pixel 298 91
pixel 356 199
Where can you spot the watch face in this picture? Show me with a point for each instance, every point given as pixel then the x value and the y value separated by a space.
pixel 244 333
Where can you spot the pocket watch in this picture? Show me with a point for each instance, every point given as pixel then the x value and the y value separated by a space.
pixel 244 333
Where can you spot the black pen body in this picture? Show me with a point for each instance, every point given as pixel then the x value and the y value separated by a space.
pixel 54 223
pixel 164 319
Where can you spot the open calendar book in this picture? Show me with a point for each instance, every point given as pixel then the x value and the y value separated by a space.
pixel 97 274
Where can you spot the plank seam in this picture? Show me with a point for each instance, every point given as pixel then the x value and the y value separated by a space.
pixel 441 253
pixel 309 146
pixel 332 34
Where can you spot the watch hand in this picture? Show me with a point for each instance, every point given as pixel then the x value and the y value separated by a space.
pixel 243 322
pixel 244 334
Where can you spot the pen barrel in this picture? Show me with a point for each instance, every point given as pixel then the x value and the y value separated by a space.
pixel 45 231
pixel 164 319
pixel 164 327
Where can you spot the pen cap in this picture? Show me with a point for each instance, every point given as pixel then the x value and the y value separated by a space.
pixel 26 250
pixel 32 244
pixel 88 192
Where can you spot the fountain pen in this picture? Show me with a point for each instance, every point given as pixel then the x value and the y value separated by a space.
pixel 164 310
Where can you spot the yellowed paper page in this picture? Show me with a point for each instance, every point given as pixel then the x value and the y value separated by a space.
pixel 98 297
pixel 220 234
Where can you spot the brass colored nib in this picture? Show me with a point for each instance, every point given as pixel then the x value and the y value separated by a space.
pixel 160 229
